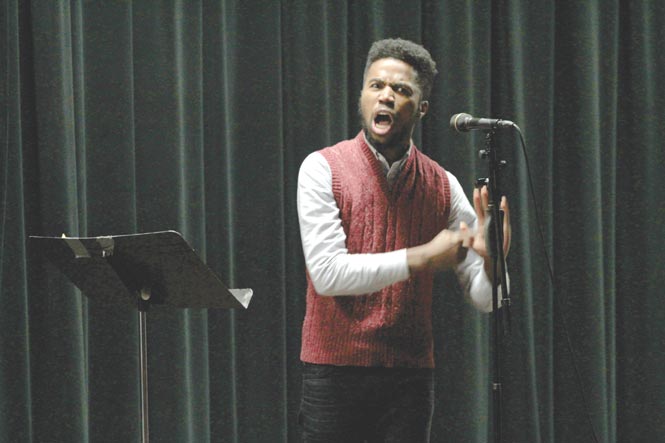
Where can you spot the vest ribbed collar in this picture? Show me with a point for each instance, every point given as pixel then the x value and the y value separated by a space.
pixel 392 191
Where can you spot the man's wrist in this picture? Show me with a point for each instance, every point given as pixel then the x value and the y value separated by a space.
pixel 418 258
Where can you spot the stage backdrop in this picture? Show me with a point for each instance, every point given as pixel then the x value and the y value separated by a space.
pixel 121 117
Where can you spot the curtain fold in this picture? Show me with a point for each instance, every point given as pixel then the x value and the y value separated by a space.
pixel 125 117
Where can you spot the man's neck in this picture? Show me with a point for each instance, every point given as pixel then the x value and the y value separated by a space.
pixel 392 153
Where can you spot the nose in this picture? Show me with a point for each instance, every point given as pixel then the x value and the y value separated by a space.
pixel 387 95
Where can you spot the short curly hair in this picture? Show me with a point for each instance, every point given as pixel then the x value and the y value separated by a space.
pixel 408 52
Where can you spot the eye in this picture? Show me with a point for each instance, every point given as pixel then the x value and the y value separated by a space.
pixel 403 90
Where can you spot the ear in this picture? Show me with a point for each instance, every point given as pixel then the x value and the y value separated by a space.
pixel 424 107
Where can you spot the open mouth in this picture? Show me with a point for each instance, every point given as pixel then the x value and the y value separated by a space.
pixel 382 122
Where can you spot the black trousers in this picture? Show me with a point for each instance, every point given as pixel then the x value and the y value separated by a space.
pixel 343 404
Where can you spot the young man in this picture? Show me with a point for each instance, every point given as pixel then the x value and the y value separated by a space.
pixel 377 219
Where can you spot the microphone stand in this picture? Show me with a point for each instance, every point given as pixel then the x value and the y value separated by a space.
pixel 494 241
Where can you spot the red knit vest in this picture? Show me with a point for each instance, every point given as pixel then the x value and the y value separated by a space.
pixel 391 327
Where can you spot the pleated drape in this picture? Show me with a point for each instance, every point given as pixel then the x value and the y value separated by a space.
pixel 121 117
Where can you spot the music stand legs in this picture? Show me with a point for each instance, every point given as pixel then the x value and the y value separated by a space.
pixel 143 361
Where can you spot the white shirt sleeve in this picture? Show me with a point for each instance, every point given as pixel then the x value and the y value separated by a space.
pixel 333 270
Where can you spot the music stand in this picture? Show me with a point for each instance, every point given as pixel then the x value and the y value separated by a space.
pixel 140 269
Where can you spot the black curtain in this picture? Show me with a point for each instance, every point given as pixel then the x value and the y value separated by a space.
pixel 122 117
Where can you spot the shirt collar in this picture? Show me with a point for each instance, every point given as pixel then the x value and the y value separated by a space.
pixel 387 167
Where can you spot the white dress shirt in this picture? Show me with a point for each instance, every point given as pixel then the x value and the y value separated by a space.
pixel 334 271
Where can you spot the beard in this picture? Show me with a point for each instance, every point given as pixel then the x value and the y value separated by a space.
pixel 400 139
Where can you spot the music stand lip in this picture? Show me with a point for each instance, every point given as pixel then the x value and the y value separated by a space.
pixel 113 267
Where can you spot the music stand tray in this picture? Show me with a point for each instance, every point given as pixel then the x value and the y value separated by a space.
pixel 140 269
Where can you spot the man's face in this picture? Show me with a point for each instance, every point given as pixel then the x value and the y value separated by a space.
pixel 390 102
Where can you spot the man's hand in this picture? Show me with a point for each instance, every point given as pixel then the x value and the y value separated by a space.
pixel 449 248
pixel 480 204
pixel 443 252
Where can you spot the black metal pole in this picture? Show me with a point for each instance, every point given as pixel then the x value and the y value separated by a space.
pixel 494 241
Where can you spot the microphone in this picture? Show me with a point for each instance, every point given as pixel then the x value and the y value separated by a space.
pixel 463 122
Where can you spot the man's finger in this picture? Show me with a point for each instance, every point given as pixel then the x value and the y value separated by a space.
pixel 507 230
pixel 485 197
pixel 465 235
pixel 478 206
pixel 506 210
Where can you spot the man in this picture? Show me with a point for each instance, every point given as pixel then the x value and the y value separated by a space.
pixel 378 218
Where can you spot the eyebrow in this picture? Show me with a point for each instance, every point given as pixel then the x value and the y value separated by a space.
pixel 392 84
pixel 402 85
pixel 411 87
